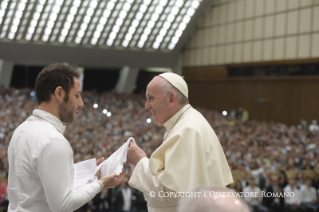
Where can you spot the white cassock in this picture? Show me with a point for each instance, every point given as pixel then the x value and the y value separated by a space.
pixel 191 156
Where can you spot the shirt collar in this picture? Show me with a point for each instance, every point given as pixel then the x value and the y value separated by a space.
pixel 170 122
pixel 48 117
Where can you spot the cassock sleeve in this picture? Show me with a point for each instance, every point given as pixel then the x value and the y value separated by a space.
pixel 143 180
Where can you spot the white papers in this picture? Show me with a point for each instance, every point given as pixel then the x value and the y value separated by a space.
pixel 114 164
pixel 84 173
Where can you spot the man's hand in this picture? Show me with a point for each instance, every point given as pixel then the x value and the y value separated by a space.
pixel 111 181
pixel 98 162
pixel 134 154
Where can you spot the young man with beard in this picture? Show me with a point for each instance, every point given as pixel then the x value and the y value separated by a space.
pixel 41 167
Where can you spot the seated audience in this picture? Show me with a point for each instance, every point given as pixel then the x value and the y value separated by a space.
pixel 123 197
pixel 254 201
pixel 211 202
pixel 261 148
pixel 309 200
pixel 273 199
pixel 292 201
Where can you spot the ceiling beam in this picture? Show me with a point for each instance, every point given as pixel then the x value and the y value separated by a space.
pixel 26 53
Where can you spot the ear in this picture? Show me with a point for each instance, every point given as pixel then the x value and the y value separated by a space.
pixel 172 99
pixel 59 93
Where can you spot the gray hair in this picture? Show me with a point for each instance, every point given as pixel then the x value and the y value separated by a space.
pixel 212 203
pixel 167 87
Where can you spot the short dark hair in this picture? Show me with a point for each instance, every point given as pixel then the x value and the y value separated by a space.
pixel 51 77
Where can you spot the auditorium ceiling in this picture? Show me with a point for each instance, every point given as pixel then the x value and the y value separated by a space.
pixel 107 27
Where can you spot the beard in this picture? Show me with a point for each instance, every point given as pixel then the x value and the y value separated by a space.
pixel 65 111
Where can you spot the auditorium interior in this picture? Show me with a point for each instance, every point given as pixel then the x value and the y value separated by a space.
pixel 251 66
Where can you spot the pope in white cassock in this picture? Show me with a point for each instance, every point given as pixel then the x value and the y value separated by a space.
pixel 190 155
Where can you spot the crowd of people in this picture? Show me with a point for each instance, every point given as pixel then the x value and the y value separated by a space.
pixel 107 120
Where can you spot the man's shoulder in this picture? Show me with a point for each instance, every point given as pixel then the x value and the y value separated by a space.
pixel 247 189
pixel 41 128
pixel 193 113
pixel 303 188
pixel 257 189
pixel 32 131
pixel 195 120
pixel 313 189
pixel 287 188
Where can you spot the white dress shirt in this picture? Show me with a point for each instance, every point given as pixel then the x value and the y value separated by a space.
pixel 41 168
pixel 296 197
pixel 252 195
pixel 127 198
pixel 308 194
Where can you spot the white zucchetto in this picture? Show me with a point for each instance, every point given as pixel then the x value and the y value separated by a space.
pixel 177 81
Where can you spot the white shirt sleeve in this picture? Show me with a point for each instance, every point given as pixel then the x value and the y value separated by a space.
pixel 55 168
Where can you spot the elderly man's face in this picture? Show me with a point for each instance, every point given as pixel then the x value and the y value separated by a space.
pixel 157 102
